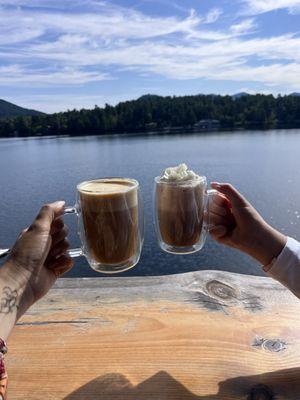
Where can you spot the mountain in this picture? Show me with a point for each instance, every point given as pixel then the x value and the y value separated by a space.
pixel 295 94
pixel 239 95
pixel 11 110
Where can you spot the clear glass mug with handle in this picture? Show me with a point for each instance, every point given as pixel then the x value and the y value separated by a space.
pixel 181 214
pixel 110 223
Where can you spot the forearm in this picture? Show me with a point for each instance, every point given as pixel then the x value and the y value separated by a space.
pixel 11 292
pixel 8 308
pixel 267 243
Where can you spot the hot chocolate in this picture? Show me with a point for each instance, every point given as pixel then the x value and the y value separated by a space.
pixel 180 198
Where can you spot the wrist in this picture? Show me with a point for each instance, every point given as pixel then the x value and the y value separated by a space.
pixel 9 303
pixel 15 273
pixel 268 243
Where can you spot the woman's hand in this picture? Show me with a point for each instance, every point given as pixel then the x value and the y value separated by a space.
pixel 38 257
pixel 236 223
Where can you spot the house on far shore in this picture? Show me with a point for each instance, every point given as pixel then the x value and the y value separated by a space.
pixel 207 124
pixel 151 125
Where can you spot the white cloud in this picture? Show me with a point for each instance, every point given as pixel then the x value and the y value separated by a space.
pixel 60 41
pixel 174 61
pixel 21 76
pixel 270 75
pixel 53 4
pixel 109 22
pixel 52 45
pixel 244 27
pixel 263 6
pixel 213 15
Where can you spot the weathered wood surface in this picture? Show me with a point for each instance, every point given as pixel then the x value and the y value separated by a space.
pixel 198 336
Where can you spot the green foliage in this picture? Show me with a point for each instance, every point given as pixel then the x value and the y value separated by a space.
pixel 156 112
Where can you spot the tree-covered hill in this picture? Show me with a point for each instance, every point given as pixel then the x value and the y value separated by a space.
pixel 151 112
pixel 11 110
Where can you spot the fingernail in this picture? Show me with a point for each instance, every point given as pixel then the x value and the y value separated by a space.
pixel 216 184
pixel 60 203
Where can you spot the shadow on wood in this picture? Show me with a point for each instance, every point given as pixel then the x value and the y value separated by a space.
pixel 162 386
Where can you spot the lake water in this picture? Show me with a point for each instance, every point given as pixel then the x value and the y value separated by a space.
pixel 265 166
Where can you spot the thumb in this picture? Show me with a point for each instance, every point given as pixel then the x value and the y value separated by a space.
pixel 233 195
pixel 47 215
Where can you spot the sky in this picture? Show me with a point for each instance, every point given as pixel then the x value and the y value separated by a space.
pixel 63 54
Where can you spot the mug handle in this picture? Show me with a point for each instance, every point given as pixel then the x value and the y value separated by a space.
pixel 209 194
pixel 73 253
pixel 77 252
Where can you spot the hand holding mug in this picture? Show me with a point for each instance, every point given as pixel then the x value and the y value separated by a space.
pixel 239 225
pixel 39 256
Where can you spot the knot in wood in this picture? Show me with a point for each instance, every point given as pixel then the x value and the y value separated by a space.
pixel 273 345
pixel 261 392
pixel 221 290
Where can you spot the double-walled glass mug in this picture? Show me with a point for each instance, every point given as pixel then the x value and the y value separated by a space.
pixel 110 223
pixel 181 214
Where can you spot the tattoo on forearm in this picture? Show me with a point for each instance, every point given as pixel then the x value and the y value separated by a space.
pixel 8 302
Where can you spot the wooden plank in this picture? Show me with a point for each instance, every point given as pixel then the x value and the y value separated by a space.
pixel 205 335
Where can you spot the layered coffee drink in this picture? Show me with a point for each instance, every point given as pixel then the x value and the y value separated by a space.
pixel 109 209
pixel 180 201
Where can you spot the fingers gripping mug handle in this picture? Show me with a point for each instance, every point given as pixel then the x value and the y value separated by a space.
pixel 209 195
pixel 72 252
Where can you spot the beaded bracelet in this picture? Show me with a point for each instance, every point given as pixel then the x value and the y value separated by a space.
pixel 3 373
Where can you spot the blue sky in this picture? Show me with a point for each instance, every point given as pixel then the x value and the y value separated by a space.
pixel 63 54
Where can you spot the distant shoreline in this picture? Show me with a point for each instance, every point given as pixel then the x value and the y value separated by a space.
pixel 173 131
pixel 152 114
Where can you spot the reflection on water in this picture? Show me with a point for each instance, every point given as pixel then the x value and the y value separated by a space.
pixel 265 166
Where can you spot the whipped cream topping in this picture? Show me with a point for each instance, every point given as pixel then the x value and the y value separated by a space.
pixel 180 173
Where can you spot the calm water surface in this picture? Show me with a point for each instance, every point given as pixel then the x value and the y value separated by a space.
pixel 265 166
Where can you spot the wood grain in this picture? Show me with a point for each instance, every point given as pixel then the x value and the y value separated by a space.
pixel 205 335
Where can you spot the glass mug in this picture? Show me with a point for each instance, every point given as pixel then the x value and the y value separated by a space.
pixel 181 213
pixel 110 223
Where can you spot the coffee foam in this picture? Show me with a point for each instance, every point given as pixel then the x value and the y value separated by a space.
pixel 106 187
pixel 180 173
pixel 108 195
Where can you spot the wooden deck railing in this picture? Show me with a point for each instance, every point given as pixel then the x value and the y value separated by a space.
pixel 197 336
